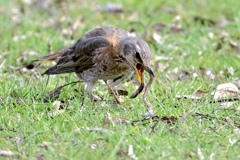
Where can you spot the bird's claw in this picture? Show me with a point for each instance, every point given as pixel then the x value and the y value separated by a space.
pixel 149 114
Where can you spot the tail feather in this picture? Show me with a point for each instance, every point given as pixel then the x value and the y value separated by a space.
pixel 56 70
pixel 62 57
pixel 52 57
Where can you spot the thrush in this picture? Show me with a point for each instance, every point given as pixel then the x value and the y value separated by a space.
pixel 109 54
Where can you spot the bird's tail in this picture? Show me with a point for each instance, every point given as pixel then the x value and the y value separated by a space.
pixel 52 57
pixel 64 61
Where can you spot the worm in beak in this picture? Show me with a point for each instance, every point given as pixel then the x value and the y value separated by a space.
pixel 140 76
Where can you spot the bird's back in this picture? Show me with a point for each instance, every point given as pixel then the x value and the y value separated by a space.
pixel 79 56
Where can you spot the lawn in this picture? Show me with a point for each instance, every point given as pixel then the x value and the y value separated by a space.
pixel 195 47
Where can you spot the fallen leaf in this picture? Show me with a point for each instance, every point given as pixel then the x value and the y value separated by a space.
pixel 204 21
pixel 238 110
pixel 200 154
pixel 43 4
pixel 226 104
pixel 237 131
pixel 93 146
pixel 173 28
pixel 176 19
pixel 225 90
pixel 7 153
pixel 40 157
pixel 124 121
pixel 103 130
pixel 112 120
pixel 75 26
pixel 211 35
pixel 56 109
pixel 131 153
pixel 192 97
pixel 191 154
pixel 230 71
pixel 56 105
pixel 207 72
pixel 45 144
pixel 110 7
pixel 19 139
pixel 169 119
pixel 162 58
pixel 20 60
pixel 232 141
pixel 221 42
pixel 19 38
pixel 176 29
pixel 66 32
pixel 234 46
pixel 200 93
pixel 16 15
pixel 158 26
pixel 121 153
pixel 158 38
pixel 236 82
pixel 212 156
pixel 183 75
pixel 197 95
pixel 172 74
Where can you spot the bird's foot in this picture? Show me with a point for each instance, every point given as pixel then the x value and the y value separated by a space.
pixel 113 93
pixel 94 99
pixel 149 114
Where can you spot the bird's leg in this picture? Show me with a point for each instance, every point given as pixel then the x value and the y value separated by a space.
pixel 113 93
pixel 89 90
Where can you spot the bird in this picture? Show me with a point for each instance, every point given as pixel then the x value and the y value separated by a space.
pixel 106 53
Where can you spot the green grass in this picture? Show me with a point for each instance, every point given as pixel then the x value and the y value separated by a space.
pixel 29 132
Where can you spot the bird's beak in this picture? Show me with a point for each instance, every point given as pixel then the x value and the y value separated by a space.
pixel 139 71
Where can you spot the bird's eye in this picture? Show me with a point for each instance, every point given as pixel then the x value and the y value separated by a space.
pixel 138 57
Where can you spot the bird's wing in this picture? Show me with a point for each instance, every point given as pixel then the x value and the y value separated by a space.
pixel 106 32
pixel 79 57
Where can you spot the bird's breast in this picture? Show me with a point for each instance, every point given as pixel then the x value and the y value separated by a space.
pixel 106 67
pixel 110 70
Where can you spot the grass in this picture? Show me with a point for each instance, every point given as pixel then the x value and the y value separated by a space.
pixel 198 130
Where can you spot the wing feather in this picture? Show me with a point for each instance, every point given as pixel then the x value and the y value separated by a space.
pixel 79 57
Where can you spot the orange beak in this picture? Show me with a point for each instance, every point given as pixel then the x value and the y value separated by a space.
pixel 139 71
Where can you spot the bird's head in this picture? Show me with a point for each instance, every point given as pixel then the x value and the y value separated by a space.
pixel 138 56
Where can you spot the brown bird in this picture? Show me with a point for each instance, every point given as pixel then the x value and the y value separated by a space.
pixel 109 54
